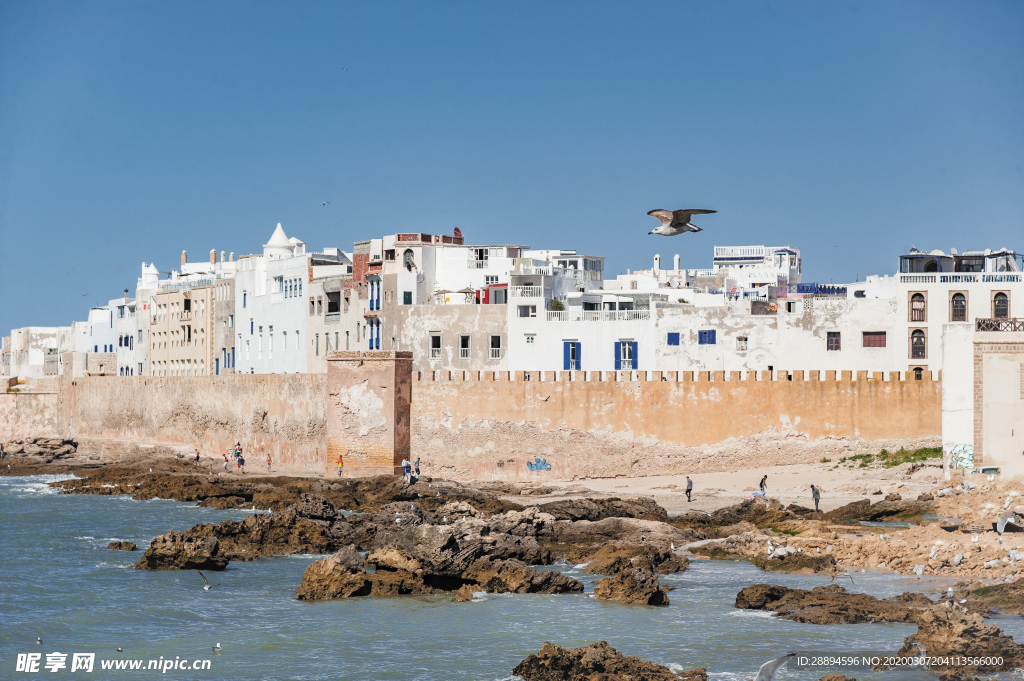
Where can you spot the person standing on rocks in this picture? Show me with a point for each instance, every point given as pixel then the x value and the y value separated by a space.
pixel 197 456
pixel 341 465
pixel 689 488
pixel 764 486
pixel 816 495
pixel 417 467
pixel 241 465
pixel 225 462
pixel 406 470
pixel 269 462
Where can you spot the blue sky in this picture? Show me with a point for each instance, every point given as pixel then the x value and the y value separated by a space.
pixel 130 131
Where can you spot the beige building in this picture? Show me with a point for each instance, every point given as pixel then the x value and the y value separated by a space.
pixel 181 341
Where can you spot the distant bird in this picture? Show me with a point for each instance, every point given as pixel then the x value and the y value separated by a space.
pixel 119 650
pixel 84 295
pixel 344 69
pixel 398 519
pixel 949 593
pixel 836 573
pixel 672 546
pixel 675 222
pixel 39 640
pixel 216 648
pixel 326 202
pixel 206 583
pixel 768 669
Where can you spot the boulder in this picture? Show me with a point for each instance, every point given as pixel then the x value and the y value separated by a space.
pixel 122 546
pixel 595 662
pixel 514 576
pixel 315 507
pixel 342 575
pixel 617 557
pixel 638 586
pixel 644 508
pixel 222 503
pixel 827 605
pixel 947 631
pixel 271 534
pixel 530 522
pixel 392 559
pixel 176 551
pixel 464 594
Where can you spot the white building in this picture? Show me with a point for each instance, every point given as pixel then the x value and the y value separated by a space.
pixel 34 351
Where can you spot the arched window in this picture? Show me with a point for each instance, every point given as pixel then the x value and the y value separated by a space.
pixel 409 258
pixel 917 345
pixel 959 308
pixel 917 307
pixel 1000 306
pixel 918 374
pixel 931 266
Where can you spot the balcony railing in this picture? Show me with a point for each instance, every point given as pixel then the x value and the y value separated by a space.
pixel 598 315
pixel 463 353
pixel 332 318
pixel 495 353
pixel 917 278
pixel 478 264
pixel 1015 325
pixel 526 291
pixel 958 279
pixel 1000 278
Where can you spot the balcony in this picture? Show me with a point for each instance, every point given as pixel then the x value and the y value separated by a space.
pixel 463 353
pixel 917 278
pixel 1012 325
pixel 332 318
pixel 478 264
pixel 185 316
pixel 526 291
pixel 495 353
pixel 577 315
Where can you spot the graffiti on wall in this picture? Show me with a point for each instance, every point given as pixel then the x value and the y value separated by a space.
pixel 961 457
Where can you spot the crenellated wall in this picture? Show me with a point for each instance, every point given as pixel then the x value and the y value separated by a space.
pixel 487 425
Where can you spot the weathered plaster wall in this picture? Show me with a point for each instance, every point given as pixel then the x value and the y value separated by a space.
pixel 488 429
pixel 29 415
pixel 282 414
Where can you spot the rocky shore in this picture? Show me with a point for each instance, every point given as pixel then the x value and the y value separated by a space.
pixel 596 662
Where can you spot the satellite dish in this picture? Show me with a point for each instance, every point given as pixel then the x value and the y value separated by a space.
pixel 952 251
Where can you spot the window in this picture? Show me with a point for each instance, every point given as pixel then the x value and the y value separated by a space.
pixel 490 279
pixel 834 341
pixel 435 346
pixel 250 326
pixel 333 302
pixel 495 349
pixel 706 337
pixel 958 310
pixel 530 339
pixel 625 355
pixel 498 296
pixel 231 321
pixel 859 294
pixel 312 307
pixel 316 351
pixel 917 309
pixel 297 339
pixel 918 373
pixel 278 284
pixel 406 297
pixel 346 340
pixel 741 343
pixel 527 310
pixel 918 349
pixel 188 305
pixel 1000 306
pixel 572 355
pixel 245 297
pixel 673 338
pixel 874 339
pixel 464 348
pixel 790 306
pixel 409 258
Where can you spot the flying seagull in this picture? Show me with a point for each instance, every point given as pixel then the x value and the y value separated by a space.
pixel 675 222
pixel 206 583
pixel 768 669
pixel 326 202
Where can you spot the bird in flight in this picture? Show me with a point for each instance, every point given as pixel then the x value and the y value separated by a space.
pixel 206 583
pixel 326 202
pixel 768 669
pixel 344 69
pixel 675 222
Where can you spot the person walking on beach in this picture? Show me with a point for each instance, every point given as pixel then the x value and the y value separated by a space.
pixel 197 456
pixel 406 470
pixel 816 495
pixel 238 462
pixel 417 466
pixel 241 465
pixel 764 486
pixel 341 465
pixel 268 463
pixel 689 488
pixel 225 462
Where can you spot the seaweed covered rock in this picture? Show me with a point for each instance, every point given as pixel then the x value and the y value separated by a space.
pixel 595 662
pixel 122 546
pixel 828 605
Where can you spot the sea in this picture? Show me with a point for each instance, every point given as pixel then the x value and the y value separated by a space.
pixel 58 582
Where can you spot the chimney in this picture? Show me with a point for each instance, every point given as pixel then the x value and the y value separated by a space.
pixel 184 258
pixel 231 258
pixel 222 256
pixel 213 256
pixel 657 262
pixel 126 293
pixel 675 262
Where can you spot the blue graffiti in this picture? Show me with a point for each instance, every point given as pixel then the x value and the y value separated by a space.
pixel 538 464
pixel 962 456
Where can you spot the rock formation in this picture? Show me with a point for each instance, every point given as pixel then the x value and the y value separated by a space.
pixel 122 546
pixel 176 551
pixel 948 631
pixel 595 662
pixel 830 605
pixel 638 586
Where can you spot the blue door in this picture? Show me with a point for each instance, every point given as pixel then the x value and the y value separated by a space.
pixel 571 359
pixel 618 356
pixel 216 366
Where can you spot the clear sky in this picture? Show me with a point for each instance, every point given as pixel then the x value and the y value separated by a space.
pixel 130 131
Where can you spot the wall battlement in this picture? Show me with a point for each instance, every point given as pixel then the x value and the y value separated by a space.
pixel 777 376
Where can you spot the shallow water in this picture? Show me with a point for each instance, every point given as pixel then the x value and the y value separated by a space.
pixel 60 583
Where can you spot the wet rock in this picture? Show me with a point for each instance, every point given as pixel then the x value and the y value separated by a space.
pixel 754 547
pixel 530 522
pixel 514 576
pixel 826 605
pixel 270 534
pixel 836 677
pixel 616 557
pixel 947 630
pixel 315 507
pixel 595 662
pixel 464 594
pixel 402 513
pixel 1006 597
pixel 223 503
pixel 176 551
pixel 122 546
pixel 570 535
pixel 638 586
pixel 342 575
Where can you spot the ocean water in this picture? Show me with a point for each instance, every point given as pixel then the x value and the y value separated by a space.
pixel 58 581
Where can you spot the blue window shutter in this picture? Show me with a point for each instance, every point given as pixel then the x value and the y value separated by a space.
pixel 566 355
pixel 636 357
pixel 216 364
pixel 232 357
pixel 711 340
pixel 618 356
pixel 579 356
pixel 673 339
